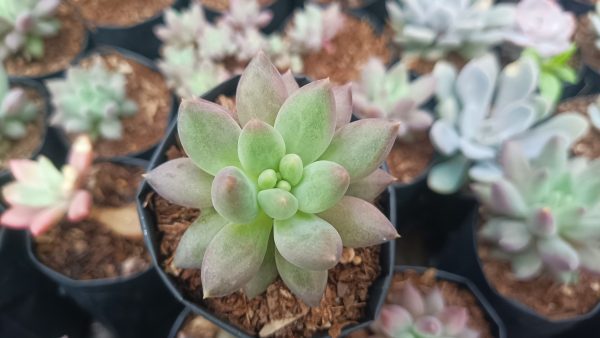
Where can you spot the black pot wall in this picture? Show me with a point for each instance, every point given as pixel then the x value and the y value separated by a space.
pixel 281 9
pixel 30 304
pixel 130 307
pixel 460 257
pixel 496 325
pixel 143 154
pixel 138 38
pixel 377 291
pixel 578 7
pixel 591 78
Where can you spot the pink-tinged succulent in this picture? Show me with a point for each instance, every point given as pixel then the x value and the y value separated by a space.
pixel 247 13
pixel 417 315
pixel 391 95
pixel 544 26
pixel 542 215
pixel 42 195
pixel 314 27
pixel 283 184
pixel 593 112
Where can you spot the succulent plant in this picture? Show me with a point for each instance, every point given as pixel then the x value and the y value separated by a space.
pixel 314 27
pixel 281 195
pixel 280 52
pixel 594 113
pixel 243 14
pixel 391 95
pixel 432 29
pixel 417 315
pixel 91 101
pixel 16 110
pixel 480 110
pixel 595 20
pixel 24 24
pixel 42 195
pixel 542 215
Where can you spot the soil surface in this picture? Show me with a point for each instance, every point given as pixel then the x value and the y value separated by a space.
pixel 119 13
pixel 589 145
pixel 454 295
pixel 59 50
pixel 585 37
pixel 36 131
pixel 89 249
pixel 149 90
pixel 197 327
pixel 422 66
pixel 223 5
pixel 410 159
pixel 353 46
pixel 542 294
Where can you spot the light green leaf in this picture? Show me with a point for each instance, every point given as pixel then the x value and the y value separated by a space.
pixel 234 196
pixel 260 147
pixel 307 285
pixel 265 275
pixel 323 184
pixel 277 203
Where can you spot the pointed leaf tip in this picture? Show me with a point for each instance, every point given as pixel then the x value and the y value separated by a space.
pixel 234 196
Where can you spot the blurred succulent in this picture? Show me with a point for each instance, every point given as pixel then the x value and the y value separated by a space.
pixel 91 101
pixel 416 315
pixel 24 24
pixel 543 214
pixel 42 195
pixel 543 26
pixel 314 27
pixel 391 95
pixel 281 195
pixel 280 52
pixel 434 28
pixel 594 113
pixel 182 28
pixel 16 110
pixel 595 20
pixel 480 110
pixel 244 14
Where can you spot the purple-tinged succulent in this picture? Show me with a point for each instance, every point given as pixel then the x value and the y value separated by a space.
pixel 16 111
pixel 418 315
pixel 482 108
pixel 24 24
pixel 391 95
pixel 282 184
pixel 314 27
pixel 593 112
pixel 542 215
pixel 42 195
pixel 544 26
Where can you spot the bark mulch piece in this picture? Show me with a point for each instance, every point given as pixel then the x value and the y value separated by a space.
pixel 28 145
pixel 89 249
pixel 542 294
pixel 119 13
pixel 352 47
pixel 59 50
pixel 223 5
pixel 149 90
pixel 409 159
pixel 589 145
pixel 585 37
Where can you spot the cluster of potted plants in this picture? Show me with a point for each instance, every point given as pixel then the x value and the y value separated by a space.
pixel 360 168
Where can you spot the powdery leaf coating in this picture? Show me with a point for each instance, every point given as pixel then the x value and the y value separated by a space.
pixel 308 285
pixel 260 147
pixel 368 188
pixel 307 120
pixel 200 121
pixel 323 184
pixel 266 275
pixel 234 196
pixel 278 203
pixel 195 240
pixel 308 242
pixel 16 111
pixel 359 223
pixel 234 256
pixel 181 182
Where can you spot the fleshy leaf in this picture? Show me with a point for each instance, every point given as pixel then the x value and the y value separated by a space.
pixel 412 300
pixel 193 243
pixel 343 104
pixel 234 256
pixel 308 242
pixel 449 176
pixel 291 168
pixel 558 254
pixel 234 196
pixel 265 275
pixel 361 146
pixel 260 92
pixel 454 319
pixel 507 200
pixel 180 181
pixel 359 223
pixel 277 203
pixel 260 147
pixel 200 121
pixel 290 82
pixel 307 120
pixel 323 184
pixel 307 285
pixel 368 188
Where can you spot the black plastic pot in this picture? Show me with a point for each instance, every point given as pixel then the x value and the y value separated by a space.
pixel 377 291
pixel 130 307
pixel 578 7
pixel 281 9
pixel 178 325
pixel 102 50
pixel 30 304
pixel 591 78
pixel 496 324
pixel 460 257
pixel 138 38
